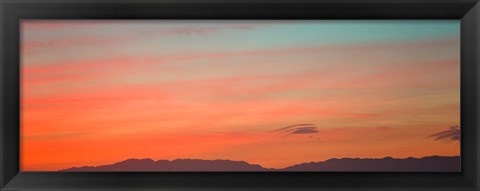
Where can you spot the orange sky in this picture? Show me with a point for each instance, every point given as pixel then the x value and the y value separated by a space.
pixel 99 92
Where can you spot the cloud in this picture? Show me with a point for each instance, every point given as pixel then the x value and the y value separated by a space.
pixel 29 46
pixel 49 25
pixel 298 129
pixel 292 126
pixel 52 136
pixel 304 131
pixel 452 134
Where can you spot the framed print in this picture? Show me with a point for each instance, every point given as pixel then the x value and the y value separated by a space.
pixel 263 95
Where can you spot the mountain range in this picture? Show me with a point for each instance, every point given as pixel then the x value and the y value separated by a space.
pixel 387 164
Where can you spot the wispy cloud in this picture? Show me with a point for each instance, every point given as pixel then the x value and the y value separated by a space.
pixel 51 136
pixel 304 130
pixel 298 129
pixel 49 25
pixel 101 40
pixel 452 134
pixel 292 126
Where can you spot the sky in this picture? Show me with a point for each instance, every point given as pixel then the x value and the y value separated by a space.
pixel 274 93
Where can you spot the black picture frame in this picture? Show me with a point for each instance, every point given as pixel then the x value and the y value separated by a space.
pixel 12 11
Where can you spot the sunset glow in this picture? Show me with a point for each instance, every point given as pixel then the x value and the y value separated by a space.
pixel 273 93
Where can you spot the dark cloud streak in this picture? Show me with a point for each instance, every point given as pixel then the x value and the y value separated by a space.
pixel 306 128
pixel 292 126
pixel 304 131
pixel 452 134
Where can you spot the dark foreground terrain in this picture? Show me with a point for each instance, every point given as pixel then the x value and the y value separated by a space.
pixel 388 164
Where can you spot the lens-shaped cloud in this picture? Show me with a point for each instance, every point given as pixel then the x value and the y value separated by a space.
pixel 298 129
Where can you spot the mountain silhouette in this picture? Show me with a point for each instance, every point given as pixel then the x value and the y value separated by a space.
pixel 387 164
pixel 174 165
